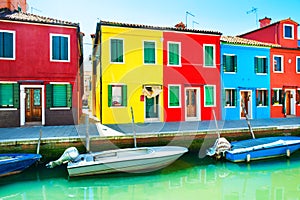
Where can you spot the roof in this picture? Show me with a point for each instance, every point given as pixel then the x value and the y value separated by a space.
pixel 6 14
pixel 243 41
pixel 272 24
pixel 142 26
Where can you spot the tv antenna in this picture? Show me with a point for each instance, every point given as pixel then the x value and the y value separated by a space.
pixel 186 16
pixel 254 10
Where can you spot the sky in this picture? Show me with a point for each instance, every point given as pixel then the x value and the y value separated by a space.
pixel 230 17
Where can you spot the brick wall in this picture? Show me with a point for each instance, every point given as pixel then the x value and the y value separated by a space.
pixel 59 117
pixel 10 118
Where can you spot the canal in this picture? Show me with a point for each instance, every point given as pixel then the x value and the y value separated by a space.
pixel 188 178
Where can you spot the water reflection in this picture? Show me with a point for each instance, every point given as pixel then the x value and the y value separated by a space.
pixel 188 178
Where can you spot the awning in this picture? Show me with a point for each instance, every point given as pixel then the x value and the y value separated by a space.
pixel 151 91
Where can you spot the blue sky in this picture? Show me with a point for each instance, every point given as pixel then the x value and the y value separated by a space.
pixel 226 16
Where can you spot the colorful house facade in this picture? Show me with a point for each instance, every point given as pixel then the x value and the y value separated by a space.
pixel 284 65
pixel 127 72
pixel 245 75
pixel 41 70
pixel 191 75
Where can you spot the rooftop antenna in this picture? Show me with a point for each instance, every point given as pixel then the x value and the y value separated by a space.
pixel 254 10
pixel 32 9
pixel 194 22
pixel 186 16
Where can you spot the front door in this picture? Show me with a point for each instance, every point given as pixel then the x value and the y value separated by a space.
pixel 288 102
pixel 246 102
pixel 152 108
pixel 33 105
pixel 191 103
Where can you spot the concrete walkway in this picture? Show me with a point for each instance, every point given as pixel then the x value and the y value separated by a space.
pixel 97 129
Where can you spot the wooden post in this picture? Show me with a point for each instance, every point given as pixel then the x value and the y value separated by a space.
pixel 133 129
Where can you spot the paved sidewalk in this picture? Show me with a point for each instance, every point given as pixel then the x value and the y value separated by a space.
pixel 97 129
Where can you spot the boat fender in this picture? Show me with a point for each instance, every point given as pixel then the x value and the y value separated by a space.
pixel 69 154
pixel 288 153
pixel 248 158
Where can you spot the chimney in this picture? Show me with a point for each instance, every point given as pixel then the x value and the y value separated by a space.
pixel 12 5
pixel 265 22
pixel 180 25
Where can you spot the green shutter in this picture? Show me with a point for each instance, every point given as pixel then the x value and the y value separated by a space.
pixel 109 95
pixel 49 95
pixel 64 48
pixel 266 65
pixel 124 95
pixel 255 64
pixel 173 54
pixel 8 44
pixel 235 63
pixel 149 52
pixel 2 44
pixel 55 48
pixel 174 96
pixel 59 95
pixel 120 51
pixel 224 63
pixel 209 96
pixel 69 95
pixel 6 95
pixel 116 50
pixel 209 56
pixel 16 95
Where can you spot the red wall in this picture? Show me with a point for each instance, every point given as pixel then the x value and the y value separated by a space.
pixel 191 73
pixel 267 34
pixel 289 78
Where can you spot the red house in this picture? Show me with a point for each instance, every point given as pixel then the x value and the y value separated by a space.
pixel 41 72
pixel 285 65
pixel 191 74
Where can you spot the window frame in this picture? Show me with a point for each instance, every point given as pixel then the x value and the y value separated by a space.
pixel 233 100
pixel 179 54
pixel 214 56
pixel 265 66
pixel 234 63
pixel 13 45
pixel 123 50
pixel 292 31
pixel 155 52
pixel 214 95
pixel 123 98
pixel 277 101
pixel 297 67
pixel 15 97
pixel 48 95
pixel 51 47
pixel 264 94
pixel 282 63
pixel 179 95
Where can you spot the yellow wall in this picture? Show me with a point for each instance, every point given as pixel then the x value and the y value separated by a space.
pixel 133 72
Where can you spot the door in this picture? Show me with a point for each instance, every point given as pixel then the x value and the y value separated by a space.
pixel 33 105
pixel 246 102
pixel 152 108
pixel 191 103
pixel 288 102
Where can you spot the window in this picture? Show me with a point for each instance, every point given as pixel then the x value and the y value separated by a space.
pixel 117 51
pixel 230 63
pixel 278 64
pixel 210 95
pixel 230 97
pixel 149 52
pixel 7 45
pixel 9 95
pixel 59 95
pixel 174 96
pixel 209 56
pixel 262 97
pixel 288 31
pixel 60 47
pixel 261 65
pixel 174 54
pixel 298 97
pixel 277 96
pixel 298 64
pixel 117 95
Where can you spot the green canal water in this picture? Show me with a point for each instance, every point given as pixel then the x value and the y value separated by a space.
pixel 188 178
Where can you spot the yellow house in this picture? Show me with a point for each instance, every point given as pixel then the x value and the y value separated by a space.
pixel 127 72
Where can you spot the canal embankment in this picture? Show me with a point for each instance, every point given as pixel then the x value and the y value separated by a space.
pixel 194 135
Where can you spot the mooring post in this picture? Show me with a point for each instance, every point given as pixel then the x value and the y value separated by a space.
pixel 87 135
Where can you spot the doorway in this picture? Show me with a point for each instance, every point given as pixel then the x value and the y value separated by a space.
pixel 290 102
pixel 192 103
pixel 152 108
pixel 246 100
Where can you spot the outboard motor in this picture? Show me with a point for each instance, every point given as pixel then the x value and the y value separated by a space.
pixel 69 154
pixel 220 147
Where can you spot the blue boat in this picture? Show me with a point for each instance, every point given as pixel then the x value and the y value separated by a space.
pixel 262 148
pixel 14 163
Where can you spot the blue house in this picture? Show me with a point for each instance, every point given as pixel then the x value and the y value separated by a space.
pixel 245 76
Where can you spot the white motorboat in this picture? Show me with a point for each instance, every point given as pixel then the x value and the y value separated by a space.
pixel 136 160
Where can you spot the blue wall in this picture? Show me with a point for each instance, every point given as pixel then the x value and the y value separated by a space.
pixel 245 79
